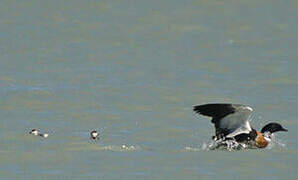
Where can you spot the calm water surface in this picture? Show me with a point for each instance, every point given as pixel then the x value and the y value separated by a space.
pixel 133 70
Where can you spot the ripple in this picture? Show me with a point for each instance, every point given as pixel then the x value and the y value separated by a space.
pixel 191 149
pixel 231 145
pixel 99 147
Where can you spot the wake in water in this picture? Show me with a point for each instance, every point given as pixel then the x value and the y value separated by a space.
pixel 232 145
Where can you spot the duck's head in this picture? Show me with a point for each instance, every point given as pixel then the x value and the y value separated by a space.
pixel 272 128
pixel 34 132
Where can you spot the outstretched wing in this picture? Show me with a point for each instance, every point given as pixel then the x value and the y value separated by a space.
pixel 229 119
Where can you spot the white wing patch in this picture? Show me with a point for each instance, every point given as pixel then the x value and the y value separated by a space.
pixel 238 122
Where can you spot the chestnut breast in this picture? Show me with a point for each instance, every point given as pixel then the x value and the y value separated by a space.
pixel 260 141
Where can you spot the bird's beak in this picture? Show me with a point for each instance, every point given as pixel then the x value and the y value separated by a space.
pixel 283 129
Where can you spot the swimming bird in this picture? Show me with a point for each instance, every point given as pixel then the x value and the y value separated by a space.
pixel 45 135
pixel 231 122
pixel 94 135
pixel 34 132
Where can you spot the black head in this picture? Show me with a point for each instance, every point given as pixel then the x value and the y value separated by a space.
pixel 93 131
pixel 273 127
pixel 33 130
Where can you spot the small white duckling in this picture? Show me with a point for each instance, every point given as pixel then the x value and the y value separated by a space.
pixel 45 135
pixel 94 135
pixel 34 132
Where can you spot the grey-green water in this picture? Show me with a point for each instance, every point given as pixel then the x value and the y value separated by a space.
pixel 133 70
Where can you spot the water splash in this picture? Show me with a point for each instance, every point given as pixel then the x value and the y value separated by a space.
pixel 275 142
pixel 229 145
pixel 99 147
pixel 232 145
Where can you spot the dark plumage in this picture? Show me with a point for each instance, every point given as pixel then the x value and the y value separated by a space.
pixel 272 127
pixel 216 111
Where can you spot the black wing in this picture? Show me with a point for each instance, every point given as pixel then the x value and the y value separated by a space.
pixel 216 111
pixel 229 119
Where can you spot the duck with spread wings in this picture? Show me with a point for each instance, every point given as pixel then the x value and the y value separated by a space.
pixel 231 121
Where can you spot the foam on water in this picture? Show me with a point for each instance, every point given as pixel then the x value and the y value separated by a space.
pixel 191 149
pixel 100 147
pixel 232 145
pixel 276 143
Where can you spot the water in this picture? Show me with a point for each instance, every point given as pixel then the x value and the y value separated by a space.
pixel 133 70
